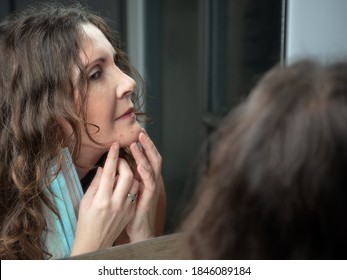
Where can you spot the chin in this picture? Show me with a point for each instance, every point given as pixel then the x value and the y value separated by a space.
pixel 131 136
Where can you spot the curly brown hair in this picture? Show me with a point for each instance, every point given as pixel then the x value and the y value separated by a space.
pixel 39 46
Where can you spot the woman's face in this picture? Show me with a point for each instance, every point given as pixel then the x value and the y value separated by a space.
pixel 108 104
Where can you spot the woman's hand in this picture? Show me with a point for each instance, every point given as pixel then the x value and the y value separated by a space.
pixel 106 209
pixel 150 209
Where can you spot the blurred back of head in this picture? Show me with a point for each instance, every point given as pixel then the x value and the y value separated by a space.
pixel 276 185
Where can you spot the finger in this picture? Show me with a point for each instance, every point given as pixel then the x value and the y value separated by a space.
pixel 109 172
pixel 151 151
pixel 139 156
pixel 147 190
pixel 125 180
pixel 144 169
pixel 94 186
pixel 136 175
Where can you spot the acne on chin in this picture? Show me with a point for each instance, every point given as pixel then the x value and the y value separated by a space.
pixel 125 139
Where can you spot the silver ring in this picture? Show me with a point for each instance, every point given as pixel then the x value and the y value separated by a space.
pixel 132 197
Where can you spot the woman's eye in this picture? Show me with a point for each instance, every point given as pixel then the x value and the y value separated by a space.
pixel 95 76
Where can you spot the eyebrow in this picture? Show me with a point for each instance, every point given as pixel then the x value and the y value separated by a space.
pixel 100 59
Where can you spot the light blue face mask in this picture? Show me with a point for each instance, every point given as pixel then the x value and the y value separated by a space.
pixel 68 193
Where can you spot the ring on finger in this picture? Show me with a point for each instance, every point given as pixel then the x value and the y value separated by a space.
pixel 132 197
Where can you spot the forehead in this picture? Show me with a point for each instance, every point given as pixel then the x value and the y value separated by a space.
pixel 94 43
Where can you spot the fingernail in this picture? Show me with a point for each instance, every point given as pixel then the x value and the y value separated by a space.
pixel 98 171
pixel 143 135
pixel 135 146
pixel 115 145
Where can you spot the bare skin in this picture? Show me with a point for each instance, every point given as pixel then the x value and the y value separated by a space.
pixel 106 213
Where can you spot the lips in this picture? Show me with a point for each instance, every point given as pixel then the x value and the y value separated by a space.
pixel 128 113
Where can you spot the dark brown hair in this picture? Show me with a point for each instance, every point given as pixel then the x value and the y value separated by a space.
pixel 39 48
pixel 276 186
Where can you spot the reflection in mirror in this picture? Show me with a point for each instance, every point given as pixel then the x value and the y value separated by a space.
pixel 201 57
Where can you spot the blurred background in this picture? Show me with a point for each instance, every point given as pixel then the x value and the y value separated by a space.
pixel 200 58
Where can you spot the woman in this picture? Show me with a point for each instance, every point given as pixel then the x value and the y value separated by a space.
pixel 276 183
pixel 66 87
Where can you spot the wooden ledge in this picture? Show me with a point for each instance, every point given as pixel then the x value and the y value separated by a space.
pixel 158 248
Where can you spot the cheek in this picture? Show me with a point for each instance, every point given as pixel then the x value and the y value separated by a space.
pixel 100 111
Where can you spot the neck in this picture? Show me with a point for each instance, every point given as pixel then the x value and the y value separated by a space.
pixel 87 159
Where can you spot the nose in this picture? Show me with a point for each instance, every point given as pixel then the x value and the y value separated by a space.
pixel 125 85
